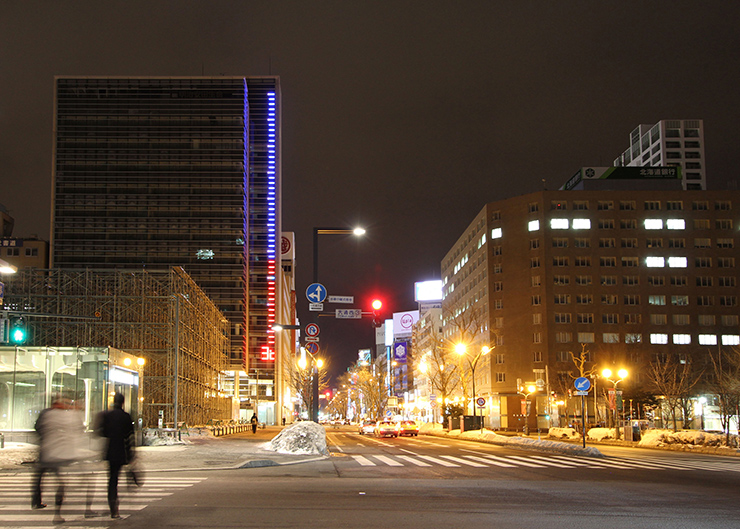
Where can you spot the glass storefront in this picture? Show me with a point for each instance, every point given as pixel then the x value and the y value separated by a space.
pixel 86 377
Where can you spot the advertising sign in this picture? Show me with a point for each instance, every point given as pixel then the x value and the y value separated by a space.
pixel 287 245
pixel 399 352
pixel 403 323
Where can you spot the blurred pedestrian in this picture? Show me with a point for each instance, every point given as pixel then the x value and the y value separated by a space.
pixel 255 421
pixel 118 427
pixel 60 434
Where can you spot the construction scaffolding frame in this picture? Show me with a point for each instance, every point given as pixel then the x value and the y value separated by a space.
pixel 161 316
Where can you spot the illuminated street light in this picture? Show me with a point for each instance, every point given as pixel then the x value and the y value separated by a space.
pixel 622 374
pixel 461 349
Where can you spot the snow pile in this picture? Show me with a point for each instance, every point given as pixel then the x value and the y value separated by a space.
pixel 563 433
pixel 488 436
pixel 431 428
pixel 304 437
pixel 15 454
pixel 687 438
pixel 599 434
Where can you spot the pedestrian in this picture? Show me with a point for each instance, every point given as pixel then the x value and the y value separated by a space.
pixel 117 426
pixel 255 421
pixel 60 434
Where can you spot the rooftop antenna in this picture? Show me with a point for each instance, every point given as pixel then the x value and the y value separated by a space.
pixel 544 185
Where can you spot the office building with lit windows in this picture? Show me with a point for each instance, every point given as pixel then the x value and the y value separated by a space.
pixel 670 142
pixel 153 172
pixel 629 274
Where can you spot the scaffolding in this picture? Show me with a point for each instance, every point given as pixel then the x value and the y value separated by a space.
pixel 161 316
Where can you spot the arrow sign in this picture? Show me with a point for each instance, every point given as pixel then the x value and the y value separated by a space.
pixel 312 347
pixel 582 384
pixel 312 329
pixel 316 293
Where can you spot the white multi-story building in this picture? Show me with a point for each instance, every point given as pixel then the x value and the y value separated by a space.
pixel 670 142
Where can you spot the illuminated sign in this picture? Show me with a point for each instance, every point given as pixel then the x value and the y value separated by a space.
pixel 621 173
pixel 428 290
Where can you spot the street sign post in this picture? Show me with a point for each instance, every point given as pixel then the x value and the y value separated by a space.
pixel 312 329
pixel 316 293
pixel 481 402
pixel 316 307
pixel 582 385
pixel 312 347
pixel 348 314
pixel 341 299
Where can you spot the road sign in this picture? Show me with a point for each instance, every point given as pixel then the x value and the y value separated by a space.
pixel 348 314
pixel 581 393
pixel 316 293
pixel 312 348
pixel 312 329
pixel 481 402
pixel 432 398
pixel 341 299
pixel 582 384
pixel 311 339
pixel 315 307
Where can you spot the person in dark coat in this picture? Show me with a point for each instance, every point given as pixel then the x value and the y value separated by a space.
pixel 117 426
pixel 255 421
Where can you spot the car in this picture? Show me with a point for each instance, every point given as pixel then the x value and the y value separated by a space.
pixel 367 427
pixel 408 428
pixel 386 429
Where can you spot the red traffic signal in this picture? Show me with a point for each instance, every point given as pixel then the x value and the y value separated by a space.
pixel 377 304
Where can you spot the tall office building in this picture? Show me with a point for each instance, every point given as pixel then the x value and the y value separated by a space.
pixel 172 171
pixel 631 274
pixel 670 142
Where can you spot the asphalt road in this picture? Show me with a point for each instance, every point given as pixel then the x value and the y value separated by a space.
pixel 433 482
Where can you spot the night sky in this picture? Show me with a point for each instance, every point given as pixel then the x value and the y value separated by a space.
pixel 403 117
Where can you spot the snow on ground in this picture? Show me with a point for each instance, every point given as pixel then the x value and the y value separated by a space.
pixel 304 437
pixel 660 438
pixel 488 436
pixel 599 434
pixel 563 433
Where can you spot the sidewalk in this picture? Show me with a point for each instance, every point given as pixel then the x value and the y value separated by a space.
pixel 241 450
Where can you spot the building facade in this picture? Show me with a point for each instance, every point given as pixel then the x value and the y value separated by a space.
pixel 626 274
pixel 670 142
pixel 174 171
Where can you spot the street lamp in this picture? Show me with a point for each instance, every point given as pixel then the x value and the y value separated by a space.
pixel 461 349
pixel 7 268
pixel 622 374
pixel 316 364
pixel 530 389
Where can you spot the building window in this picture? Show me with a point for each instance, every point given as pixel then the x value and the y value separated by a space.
pixel 628 224
pixel 723 205
pixel 727 301
pixel 723 224
pixel 681 339
pixel 559 224
pixel 658 339
pixel 627 205
pixel 706 320
pixel 584 299
pixel 583 280
pixel 630 262
pixel 498 286
pixel 537 337
pixel 496 233
pixel 632 337
pixel 559 205
pixel 563 356
pixel 653 224
pixel 652 205
pixel 606 224
pixel 653 243
pixel 563 337
pixel 676 243
pixel 656 281
pixel 581 224
pixel 728 281
pixel 675 224
pixel 681 301
pixel 674 205
pixel 679 281
pixel 725 243
pixel 580 205
pixel 585 337
pixel 633 319
pixel 631 299
pixel 500 377
pixel 730 320
pixel 561 281
pixel 730 339
pixel 678 262
pixel 582 242
pixel 536 281
pixel 533 207
pixel 562 299
pixel 656 299
pixel 498 304
pixel 585 317
pixel 703 262
pixel 608 261
pixel 497 268
pixel 583 261
pixel 610 319
pixel 700 205
pixel 629 243
pixel 605 205
pixel 560 261
pixel 533 225
pixel 496 215
pixel 630 281
pixel 537 318
pixel 536 300
pixel 703 281
pixel 607 243
pixel 701 224
pixel 703 242
pixel 499 358
pixel 726 262
pixel 610 337
pixel 608 281
pixel 498 323
pixel 534 262
pixel 707 339
pixel 537 356
pixel 559 242
pixel 705 301
pixel 681 319
pixel 562 317
pixel 658 319
pixel 534 244
pixel 655 262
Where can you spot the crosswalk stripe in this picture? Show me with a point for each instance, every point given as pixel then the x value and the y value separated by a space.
pixel 489 462
pixel 365 462
pixel 438 461
pixel 463 461
pixel 507 460
pixel 548 461
pixel 414 461
pixel 388 461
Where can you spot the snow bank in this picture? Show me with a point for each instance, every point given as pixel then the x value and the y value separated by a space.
pixel 304 437
pixel 488 436
pixel 563 433
pixel 431 428
pixel 598 434
pixel 689 438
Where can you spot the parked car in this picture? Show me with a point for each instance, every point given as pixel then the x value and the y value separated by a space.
pixel 367 427
pixel 386 429
pixel 408 428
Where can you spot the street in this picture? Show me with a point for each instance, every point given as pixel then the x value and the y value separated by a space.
pixel 420 482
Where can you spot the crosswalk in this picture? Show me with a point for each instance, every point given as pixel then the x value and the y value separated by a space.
pixel 80 488
pixel 479 459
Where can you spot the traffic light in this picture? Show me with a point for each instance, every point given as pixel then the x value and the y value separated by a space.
pixel 18 331
pixel 377 304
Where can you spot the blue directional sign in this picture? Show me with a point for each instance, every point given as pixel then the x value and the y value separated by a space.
pixel 316 293
pixel 582 384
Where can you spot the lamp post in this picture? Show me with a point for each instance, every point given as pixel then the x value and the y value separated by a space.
pixel 622 374
pixel 461 349
pixel 529 390
pixel 316 232
pixel 316 364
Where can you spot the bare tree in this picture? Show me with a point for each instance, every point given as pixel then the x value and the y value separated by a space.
pixel 299 378
pixel 369 390
pixel 439 365
pixel 674 380
pixel 726 385
pixel 467 327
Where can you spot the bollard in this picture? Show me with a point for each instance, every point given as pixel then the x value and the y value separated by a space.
pixel 2 440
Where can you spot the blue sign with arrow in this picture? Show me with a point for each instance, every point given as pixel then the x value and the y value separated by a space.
pixel 582 384
pixel 316 293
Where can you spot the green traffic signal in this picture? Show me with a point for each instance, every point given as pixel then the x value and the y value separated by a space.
pixel 18 332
